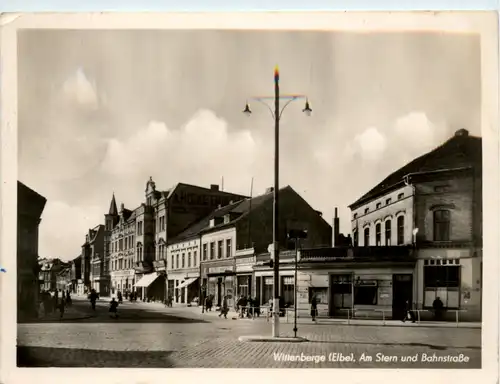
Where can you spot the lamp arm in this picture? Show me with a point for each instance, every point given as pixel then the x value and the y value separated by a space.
pixel 286 105
pixel 268 107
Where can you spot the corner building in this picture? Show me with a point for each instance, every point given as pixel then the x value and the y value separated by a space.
pixel 139 237
pixel 417 235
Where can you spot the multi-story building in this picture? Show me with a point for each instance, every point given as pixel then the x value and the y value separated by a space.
pixel 76 276
pixel 237 235
pixel 417 235
pixel 49 268
pixel 30 206
pixel 93 256
pixel 63 278
pixel 139 238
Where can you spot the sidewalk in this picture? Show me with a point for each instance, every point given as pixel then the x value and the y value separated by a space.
pixel 197 312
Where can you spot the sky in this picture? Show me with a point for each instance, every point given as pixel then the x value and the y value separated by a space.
pixel 99 112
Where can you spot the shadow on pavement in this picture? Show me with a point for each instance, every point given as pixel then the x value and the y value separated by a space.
pixel 89 358
pixel 430 346
pixel 124 318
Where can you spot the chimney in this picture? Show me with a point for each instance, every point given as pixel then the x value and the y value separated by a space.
pixel 214 187
pixel 270 189
pixel 335 227
pixel 462 132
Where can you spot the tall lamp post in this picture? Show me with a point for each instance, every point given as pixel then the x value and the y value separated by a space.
pixel 276 114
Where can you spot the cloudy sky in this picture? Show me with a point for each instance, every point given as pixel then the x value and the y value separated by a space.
pixel 101 111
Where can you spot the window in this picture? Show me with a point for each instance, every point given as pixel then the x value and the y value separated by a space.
pixel 183 260
pixel 195 258
pixel 212 250
pixel 355 216
pixel 442 281
pixel 388 233
pixel 220 248
pixel 228 248
pixel 367 210
pixel 320 293
pixel 172 263
pixel 400 196
pixel 379 205
pixel 268 292
pixel 365 292
pixel 205 251
pixel 355 237
pixel 288 290
pixel 442 225
pixel 378 235
pixel 189 259
pixel 243 285
pixel 367 237
pixel 177 261
pixel 401 230
pixel 388 201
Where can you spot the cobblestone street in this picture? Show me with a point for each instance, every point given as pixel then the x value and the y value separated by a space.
pixel 175 338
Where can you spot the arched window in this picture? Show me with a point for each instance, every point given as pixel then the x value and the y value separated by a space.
pixel 401 230
pixel 355 237
pixel 388 233
pixel 367 237
pixel 378 235
pixel 442 225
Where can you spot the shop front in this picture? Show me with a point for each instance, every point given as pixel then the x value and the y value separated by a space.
pixel 244 277
pixel 187 288
pixel 220 279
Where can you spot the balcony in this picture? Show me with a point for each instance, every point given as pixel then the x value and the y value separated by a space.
pixel 358 254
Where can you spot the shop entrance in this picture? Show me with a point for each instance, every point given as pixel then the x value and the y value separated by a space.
pixel 219 291
pixel 402 291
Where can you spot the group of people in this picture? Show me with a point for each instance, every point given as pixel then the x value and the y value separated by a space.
pixel 51 301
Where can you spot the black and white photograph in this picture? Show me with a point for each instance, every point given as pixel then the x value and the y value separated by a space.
pixel 227 196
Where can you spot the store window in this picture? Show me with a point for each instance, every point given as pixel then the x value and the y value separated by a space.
pixel 320 293
pixel 288 290
pixel 243 288
pixel 365 292
pixel 267 290
pixel 442 281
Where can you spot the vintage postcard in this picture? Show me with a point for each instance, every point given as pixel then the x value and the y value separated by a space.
pixel 250 191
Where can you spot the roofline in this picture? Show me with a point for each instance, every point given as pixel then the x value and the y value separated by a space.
pixel 405 180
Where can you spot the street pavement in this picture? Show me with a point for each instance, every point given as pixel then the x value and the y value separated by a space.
pixel 150 335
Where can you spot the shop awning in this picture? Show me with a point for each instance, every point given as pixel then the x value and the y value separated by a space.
pixel 186 282
pixel 146 280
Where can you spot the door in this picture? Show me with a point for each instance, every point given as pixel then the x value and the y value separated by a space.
pixel 402 291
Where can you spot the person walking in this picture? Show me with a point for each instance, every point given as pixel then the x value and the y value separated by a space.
pixel 62 306
pixel 113 308
pixel 69 301
pixel 314 307
pixel 408 315
pixel 55 301
pixel 120 297
pixel 438 307
pixel 93 299
pixel 224 308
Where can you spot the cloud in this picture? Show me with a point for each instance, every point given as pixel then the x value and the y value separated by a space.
pixel 78 89
pixel 202 151
pixel 63 228
pixel 370 144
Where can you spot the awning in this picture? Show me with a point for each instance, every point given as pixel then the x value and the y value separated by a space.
pixel 146 280
pixel 186 282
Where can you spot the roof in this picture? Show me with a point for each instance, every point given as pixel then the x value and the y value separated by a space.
pixel 241 208
pixel 459 151
pixel 29 202
pixel 113 210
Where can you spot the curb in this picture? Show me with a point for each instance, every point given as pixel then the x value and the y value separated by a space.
pixel 264 339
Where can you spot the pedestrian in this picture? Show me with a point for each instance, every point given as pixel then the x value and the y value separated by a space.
pixel 93 298
pixel 224 308
pixel 113 308
pixel 120 297
pixel 408 315
pixel 314 307
pixel 62 306
pixel 438 307
pixel 69 301
pixel 55 302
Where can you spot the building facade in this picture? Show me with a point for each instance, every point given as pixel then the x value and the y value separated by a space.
pixel 76 276
pixel 416 236
pixel 140 238
pixel 30 206
pixel 93 257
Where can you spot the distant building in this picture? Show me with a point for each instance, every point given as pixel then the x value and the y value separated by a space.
pixel 93 261
pixel 30 206
pixel 139 237
pixel 76 276
pixel 417 235
pixel 49 271
pixel 63 278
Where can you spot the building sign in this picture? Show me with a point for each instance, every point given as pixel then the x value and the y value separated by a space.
pixel 366 283
pixel 245 260
pixel 220 269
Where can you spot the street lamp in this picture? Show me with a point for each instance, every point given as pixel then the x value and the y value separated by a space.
pixel 296 235
pixel 276 114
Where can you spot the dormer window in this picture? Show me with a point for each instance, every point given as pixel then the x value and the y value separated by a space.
pixel 388 201
pixel 367 210
pixel 355 216
pixel 400 196
pixel 379 205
